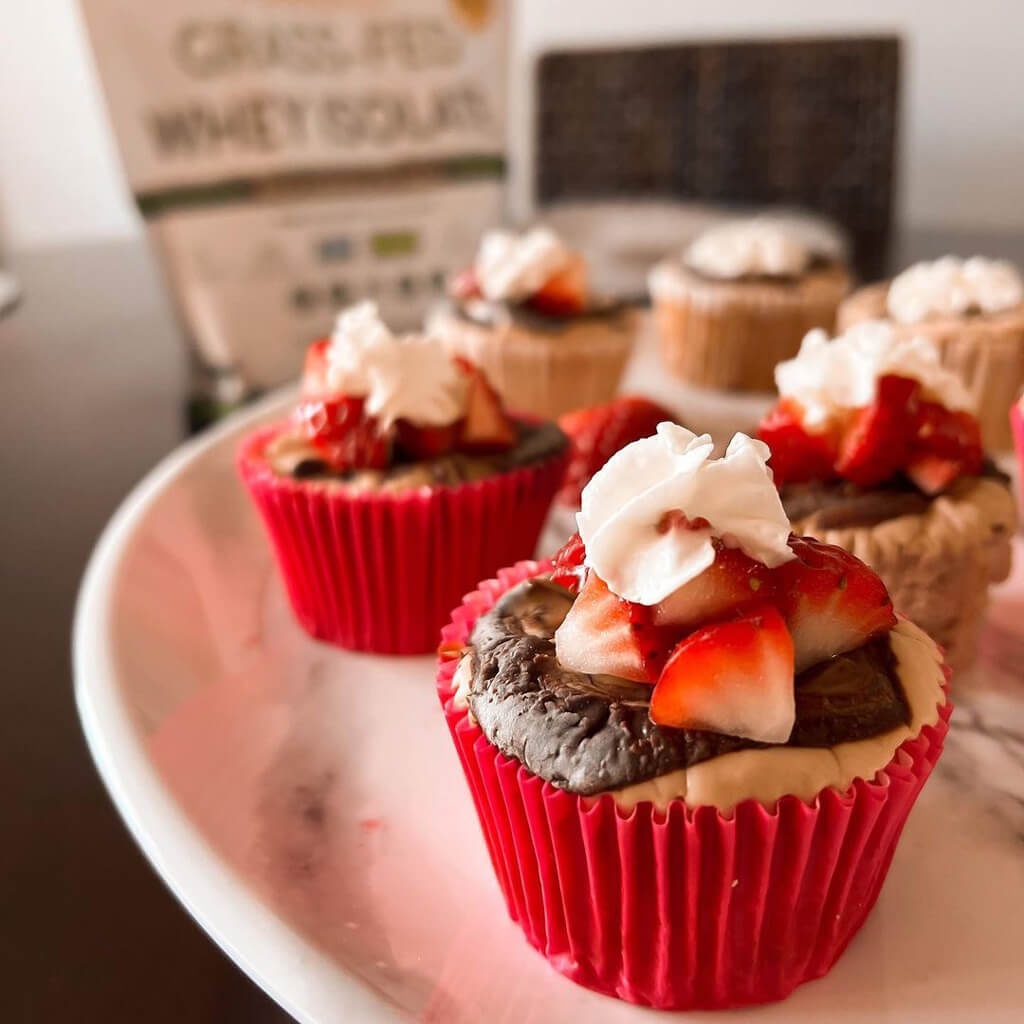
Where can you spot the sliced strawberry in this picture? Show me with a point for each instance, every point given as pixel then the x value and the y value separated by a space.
pixel 831 601
pixel 465 286
pixel 733 677
pixel 599 636
pixel 425 442
pixel 485 427
pixel 932 474
pixel 314 372
pixel 564 294
pixel 798 454
pixel 567 563
pixel 876 442
pixel 598 432
pixel 946 445
pixel 343 433
pixel 733 581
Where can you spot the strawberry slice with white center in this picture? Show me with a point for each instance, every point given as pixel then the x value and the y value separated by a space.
pixel 732 581
pixel 567 563
pixel 564 293
pixel 485 427
pixel 733 677
pixel 831 601
pixel 602 636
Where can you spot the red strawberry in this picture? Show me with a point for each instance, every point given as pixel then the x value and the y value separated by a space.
pixel 733 677
pixel 425 442
pixel 343 433
pixel 465 286
pixel 798 454
pixel 564 294
pixel 876 442
pixel 314 372
pixel 831 601
pixel 485 427
pixel 567 563
pixel 732 581
pixel 932 474
pixel 946 445
pixel 598 432
pixel 599 636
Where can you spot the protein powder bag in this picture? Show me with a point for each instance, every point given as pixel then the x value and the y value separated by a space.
pixel 290 156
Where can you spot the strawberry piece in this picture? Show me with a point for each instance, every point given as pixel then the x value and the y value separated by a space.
pixel 797 453
pixel 466 286
pixel 876 442
pixel 734 678
pixel 342 432
pixel 946 445
pixel 565 293
pixel 485 428
pixel 599 636
pixel 598 432
pixel 732 582
pixel 567 563
pixel 831 601
pixel 425 442
pixel 932 474
pixel 314 371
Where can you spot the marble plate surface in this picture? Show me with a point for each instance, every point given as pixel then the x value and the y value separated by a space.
pixel 307 808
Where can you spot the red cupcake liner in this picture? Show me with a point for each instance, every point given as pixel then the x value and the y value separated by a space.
pixel 381 572
pixel 1017 424
pixel 683 908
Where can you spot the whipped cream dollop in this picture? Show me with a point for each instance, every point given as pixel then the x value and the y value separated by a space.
pixel 511 267
pixel 755 246
pixel 637 513
pixel 951 287
pixel 409 377
pixel 830 376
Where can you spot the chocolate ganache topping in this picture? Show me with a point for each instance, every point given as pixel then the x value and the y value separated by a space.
pixel 838 504
pixel 588 734
pixel 482 313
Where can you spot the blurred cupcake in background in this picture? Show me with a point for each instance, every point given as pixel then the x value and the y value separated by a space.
pixel 397 484
pixel 875 448
pixel 523 313
pixel 742 295
pixel 973 310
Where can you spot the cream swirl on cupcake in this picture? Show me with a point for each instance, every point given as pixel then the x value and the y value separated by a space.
pixel 649 516
pixel 753 247
pixel 951 287
pixel 511 267
pixel 408 377
pixel 831 376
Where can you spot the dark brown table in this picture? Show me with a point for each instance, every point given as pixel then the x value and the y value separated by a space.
pixel 92 393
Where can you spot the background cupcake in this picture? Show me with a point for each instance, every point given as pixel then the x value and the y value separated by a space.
pixel 973 310
pixel 741 296
pixel 398 482
pixel 875 448
pixel 694 739
pixel 523 313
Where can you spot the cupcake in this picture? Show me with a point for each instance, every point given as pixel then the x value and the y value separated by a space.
pixel 692 740
pixel 523 314
pixel 875 448
pixel 973 310
pixel 397 483
pixel 741 296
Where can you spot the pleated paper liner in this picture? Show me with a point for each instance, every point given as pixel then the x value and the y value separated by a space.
pixel 381 572
pixel 682 908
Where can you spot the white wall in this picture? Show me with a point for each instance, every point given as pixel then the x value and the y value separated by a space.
pixel 963 121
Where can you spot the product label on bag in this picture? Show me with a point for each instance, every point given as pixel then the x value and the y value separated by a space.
pixel 291 156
